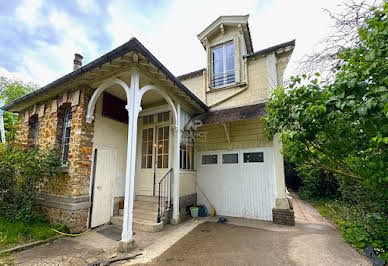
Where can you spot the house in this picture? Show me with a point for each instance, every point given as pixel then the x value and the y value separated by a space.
pixel 139 144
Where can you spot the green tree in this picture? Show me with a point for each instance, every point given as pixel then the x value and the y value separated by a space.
pixel 10 90
pixel 340 128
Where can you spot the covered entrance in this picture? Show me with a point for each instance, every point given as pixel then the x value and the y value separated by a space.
pixel 150 135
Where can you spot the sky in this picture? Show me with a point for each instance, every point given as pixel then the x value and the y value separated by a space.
pixel 39 38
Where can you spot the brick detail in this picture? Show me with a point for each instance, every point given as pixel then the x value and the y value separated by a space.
pixel 283 216
pixel 75 182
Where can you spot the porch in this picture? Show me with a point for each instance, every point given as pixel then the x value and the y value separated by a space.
pixel 137 155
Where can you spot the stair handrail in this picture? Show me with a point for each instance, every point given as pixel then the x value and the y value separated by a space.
pixel 163 184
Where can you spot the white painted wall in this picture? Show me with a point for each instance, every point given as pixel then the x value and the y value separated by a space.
pixel 112 134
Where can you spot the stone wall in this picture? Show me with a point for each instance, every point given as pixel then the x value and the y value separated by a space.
pixel 283 216
pixel 185 201
pixel 74 183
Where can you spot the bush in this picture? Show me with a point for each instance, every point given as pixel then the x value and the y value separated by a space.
pixel 317 184
pixel 22 169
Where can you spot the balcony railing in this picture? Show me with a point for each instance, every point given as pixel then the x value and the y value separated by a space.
pixel 221 79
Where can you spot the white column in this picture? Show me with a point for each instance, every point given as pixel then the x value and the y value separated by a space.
pixel 175 211
pixel 170 138
pixel 281 197
pixel 133 108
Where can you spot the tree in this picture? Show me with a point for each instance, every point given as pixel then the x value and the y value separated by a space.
pixel 340 128
pixel 346 24
pixel 10 90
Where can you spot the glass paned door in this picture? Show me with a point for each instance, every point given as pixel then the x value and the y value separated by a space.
pixel 162 146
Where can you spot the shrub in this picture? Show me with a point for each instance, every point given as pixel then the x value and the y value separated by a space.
pixel 22 169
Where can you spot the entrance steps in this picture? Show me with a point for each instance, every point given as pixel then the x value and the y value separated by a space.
pixel 145 214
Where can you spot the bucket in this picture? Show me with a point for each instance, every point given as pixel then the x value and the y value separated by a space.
pixel 194 211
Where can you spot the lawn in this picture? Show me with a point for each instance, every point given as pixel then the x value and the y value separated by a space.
pixel 13 233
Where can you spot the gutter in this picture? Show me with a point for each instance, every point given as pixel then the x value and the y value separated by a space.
pixel 132 45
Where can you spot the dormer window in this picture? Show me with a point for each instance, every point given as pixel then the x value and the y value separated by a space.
pixel 223 71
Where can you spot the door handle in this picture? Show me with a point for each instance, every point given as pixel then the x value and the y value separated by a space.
pixel 99 187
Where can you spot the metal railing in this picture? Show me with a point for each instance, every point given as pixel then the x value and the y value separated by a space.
pixel 224 78
pixel 164 196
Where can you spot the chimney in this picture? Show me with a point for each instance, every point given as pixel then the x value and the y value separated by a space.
pixel 77 61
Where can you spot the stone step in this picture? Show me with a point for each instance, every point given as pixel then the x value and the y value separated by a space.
pixel 146 205
pixel 147 198
pixel 138 224
pixel 145 214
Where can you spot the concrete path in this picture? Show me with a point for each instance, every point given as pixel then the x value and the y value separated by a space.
pixel 313 241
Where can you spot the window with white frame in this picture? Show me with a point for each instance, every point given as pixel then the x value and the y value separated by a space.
pixel 163 135
pixel 186 158
pixel 65 120
pixel 223 71
pixel 146 152
pixel 34 130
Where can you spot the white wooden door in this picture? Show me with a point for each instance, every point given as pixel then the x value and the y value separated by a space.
pixel 238 187
pixel 105 171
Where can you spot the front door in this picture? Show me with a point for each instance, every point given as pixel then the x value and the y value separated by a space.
pixel 104 175
pixel 161 155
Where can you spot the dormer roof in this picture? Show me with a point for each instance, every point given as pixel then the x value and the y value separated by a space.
pixel 219 23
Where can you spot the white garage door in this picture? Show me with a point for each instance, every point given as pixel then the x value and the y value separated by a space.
pixel 238 183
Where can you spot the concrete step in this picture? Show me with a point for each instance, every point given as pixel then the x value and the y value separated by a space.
pixel 145 205
pixel 145 214
pixel 146 198
pixel 138 224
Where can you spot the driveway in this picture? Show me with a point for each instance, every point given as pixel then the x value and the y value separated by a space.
pixel 313 241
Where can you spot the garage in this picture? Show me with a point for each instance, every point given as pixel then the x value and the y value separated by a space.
pixel 239 183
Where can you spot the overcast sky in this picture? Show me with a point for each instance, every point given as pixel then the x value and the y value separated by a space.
pixel 38 38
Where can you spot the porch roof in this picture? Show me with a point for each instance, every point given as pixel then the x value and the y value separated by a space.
pixel 133 45
pixel 232 114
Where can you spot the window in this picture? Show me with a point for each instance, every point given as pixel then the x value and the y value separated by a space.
pixel 209 159
pixel 230 158
pixel 223 65
pixel 65 120
pixel 148 119
pixel 186 156
pixel 163 147
pixel 34 129
pixel 163 117
pixel 146 152
pixel 253 157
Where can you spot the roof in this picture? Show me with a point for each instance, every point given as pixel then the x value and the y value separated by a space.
pixel 232 114
pixel 191 74
pixel 229 20
pixel 290 44
pixel 132 45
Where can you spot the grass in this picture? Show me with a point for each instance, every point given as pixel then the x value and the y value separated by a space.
pixel 13 233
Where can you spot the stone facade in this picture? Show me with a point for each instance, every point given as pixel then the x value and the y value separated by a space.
pixel 75 181
pixel 283 216
pixel 185 201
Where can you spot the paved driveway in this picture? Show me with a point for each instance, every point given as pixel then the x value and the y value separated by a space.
pixel 313 241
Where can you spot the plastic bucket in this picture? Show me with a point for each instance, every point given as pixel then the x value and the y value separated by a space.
pixel 194 211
